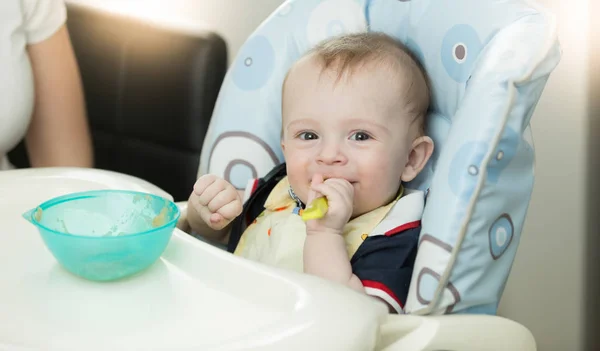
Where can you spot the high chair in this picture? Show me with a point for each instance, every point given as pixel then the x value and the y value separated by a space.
pixel 488 61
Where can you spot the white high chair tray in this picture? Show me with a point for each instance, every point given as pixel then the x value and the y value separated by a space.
pixel 195 297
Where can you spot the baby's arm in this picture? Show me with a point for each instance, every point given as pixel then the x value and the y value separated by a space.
pixel 212 206
pixel 325 252
pixel 325 256
pixel 382 267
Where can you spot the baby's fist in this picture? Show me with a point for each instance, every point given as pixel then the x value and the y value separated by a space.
pixel 216 201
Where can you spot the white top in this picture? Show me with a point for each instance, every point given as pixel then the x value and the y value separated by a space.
pixel 22 22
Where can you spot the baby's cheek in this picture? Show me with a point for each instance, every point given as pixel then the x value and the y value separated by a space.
pixel 379 181
pixel 298 179
pixel 375 167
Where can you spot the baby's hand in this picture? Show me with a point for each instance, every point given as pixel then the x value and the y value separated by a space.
pixel 216 201
pixel 340 198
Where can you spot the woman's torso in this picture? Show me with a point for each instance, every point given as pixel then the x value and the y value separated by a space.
pixel 21 22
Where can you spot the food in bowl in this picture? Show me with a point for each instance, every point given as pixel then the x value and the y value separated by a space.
pixel 104 235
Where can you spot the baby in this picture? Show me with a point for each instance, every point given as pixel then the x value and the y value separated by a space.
pixel 353 123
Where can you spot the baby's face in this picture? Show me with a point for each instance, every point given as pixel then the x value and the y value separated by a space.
pixel 354 129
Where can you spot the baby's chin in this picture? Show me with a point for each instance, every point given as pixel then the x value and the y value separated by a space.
pixel 365 204
pixel 357 212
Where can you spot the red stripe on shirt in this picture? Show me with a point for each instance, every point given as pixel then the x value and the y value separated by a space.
pixel 254 186
pixel 400 229
pixel 379 286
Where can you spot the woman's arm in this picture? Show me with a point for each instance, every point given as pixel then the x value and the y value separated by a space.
pixel 58 134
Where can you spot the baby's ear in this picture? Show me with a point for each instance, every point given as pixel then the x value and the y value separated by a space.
pixel 421 151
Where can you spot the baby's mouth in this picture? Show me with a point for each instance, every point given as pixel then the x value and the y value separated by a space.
pixel 325 178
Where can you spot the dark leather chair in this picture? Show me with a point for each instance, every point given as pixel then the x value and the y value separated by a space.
pixel 150 94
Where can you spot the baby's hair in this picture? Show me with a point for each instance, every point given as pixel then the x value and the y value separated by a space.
pixel 349 52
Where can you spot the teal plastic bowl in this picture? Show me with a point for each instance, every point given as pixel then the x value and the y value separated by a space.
pixel 105 235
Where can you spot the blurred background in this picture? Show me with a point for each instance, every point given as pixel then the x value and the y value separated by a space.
pixel 553 287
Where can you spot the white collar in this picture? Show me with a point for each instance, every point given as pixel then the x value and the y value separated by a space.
pixel 405 213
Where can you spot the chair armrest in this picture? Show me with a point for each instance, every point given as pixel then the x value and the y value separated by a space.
pixel 454 332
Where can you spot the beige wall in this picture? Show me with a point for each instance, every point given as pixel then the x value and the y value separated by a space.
pixel 546 289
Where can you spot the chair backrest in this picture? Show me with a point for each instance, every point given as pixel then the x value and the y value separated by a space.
pixel 488 61
pixel 150 92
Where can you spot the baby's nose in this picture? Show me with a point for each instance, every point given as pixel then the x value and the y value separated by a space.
pixel 332 153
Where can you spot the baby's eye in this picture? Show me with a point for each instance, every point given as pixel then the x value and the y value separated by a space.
pixel 308 136
pixel 360 136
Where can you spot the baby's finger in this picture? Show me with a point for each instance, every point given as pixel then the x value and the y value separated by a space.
pixel 339 182
pixel 204 213
pixel 328 191
pixel 231 210
pixel 211 191
pixel 215 218
pixel 343 187
pixel 204 182
pixel 316 179
pixel 221 199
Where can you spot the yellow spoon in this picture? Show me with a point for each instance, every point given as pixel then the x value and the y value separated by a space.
pixel 316 209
